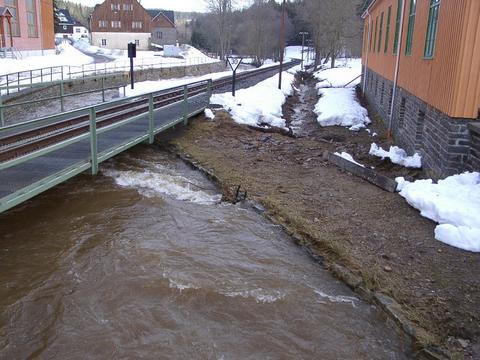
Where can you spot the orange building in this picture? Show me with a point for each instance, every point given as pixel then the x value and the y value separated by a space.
pixel 27 26
pixel 421 62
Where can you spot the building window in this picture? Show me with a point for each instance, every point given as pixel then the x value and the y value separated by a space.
pixel 432 28
pixel 128 7
pixel 104 42
pixel 376 30
pixel 31 18
pixel 379 45
pixel 64 27
pixel 137 42
pixel 401 119
pixel 102 24
pixel 411 26
pixel 78 30
pixel 115 7
pixel 159 35
pixel 387 33
pixel 116 24
pixel 397 26
pixel 136 25
pixel 13 7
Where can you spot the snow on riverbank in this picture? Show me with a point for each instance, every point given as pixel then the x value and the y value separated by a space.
pixel 346 71
pixel 454 203
pixel 339 107
pixel 259 104
pixel 397 156
pixel 68 56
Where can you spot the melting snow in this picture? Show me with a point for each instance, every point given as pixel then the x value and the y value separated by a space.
pixel 454 203
pixel 348 157
pixel 397 156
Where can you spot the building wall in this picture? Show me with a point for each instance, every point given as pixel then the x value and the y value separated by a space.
pixel 447 145
pixel 117 40
pixel 48 34
pixel 446 80
pixel 45 37
pixel 126 17
pixel 168 36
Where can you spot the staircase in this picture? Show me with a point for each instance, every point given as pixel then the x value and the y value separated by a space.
pixel 10 53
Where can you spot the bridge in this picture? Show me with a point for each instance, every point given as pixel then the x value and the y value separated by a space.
pixel 40 154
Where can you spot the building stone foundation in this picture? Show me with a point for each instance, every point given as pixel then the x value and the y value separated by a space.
pixel 448 145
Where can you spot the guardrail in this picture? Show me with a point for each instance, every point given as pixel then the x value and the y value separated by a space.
pixel 13 81
pixel 94 141
pixel 61 97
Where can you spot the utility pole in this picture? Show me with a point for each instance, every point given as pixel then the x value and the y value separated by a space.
pixel 282 45
pixel 303 33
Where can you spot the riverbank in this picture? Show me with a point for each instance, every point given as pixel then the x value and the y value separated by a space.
pixel 349 223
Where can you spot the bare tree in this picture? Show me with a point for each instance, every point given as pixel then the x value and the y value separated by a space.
pixel 221 11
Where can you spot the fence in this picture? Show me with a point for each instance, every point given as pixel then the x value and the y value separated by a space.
pixel 13 81
pixel 62 95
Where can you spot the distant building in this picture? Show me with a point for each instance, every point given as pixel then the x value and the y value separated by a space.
pixel 27 26
pixel 64 27
pixel 421 64
pixel 115 23
pixel 80 32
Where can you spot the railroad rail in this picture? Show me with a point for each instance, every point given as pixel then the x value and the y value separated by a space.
pixel 39 154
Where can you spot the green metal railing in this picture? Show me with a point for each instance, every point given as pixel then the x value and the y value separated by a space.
pixel 61 98
pixel 94 131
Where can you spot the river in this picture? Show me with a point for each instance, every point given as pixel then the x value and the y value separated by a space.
pixel 145 262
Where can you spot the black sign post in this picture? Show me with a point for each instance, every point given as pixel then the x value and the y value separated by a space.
pixel 132 53
pixel 234 63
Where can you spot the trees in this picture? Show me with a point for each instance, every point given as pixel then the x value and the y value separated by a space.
pixel 221 13
pixel 335 27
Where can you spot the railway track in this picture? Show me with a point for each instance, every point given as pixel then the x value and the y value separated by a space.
pixel 25 142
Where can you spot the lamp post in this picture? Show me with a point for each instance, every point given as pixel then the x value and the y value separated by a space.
pixel 303 33
pixel 282 45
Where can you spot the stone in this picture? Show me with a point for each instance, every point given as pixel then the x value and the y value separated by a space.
pixel 387 268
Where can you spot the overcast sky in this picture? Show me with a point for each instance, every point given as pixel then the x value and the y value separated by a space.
pixel 177 5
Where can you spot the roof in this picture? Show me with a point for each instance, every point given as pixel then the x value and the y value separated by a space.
pixel 5 11
pixel 64 17
pixel 169 14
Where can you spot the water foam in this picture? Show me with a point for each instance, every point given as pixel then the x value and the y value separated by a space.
pixel 260 295
pixel 337 298
pixel 151 183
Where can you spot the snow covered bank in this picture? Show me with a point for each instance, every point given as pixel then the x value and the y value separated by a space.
pixel 397 156
pixel 258 104
pixel 339 106
pixel 454 203
pixel 68 56
pixel 340 76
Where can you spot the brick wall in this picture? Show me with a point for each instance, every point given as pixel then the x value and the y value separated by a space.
pixel 448 146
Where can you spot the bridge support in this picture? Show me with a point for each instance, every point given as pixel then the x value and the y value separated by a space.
pixel 93 141
pixel 185 104
pixel 151 129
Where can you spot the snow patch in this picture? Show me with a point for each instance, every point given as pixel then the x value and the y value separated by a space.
pixel 397 156
pixel 340 76
pixel 209 114
pixel 454 203
pixel 258 104
pixel 348 157
pixel 339 107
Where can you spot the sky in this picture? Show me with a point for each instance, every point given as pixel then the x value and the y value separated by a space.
pixel 177 5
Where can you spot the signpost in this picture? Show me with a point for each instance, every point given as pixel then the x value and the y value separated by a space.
pixel 132 53
pixel 234 63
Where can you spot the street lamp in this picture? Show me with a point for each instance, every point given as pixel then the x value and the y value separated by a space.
pixel 303 33
pixel 282 45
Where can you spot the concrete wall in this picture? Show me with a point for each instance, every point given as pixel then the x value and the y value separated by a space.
pixel 118 40
pixel 447 145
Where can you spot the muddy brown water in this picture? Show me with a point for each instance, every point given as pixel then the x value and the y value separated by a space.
pixel 144 262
